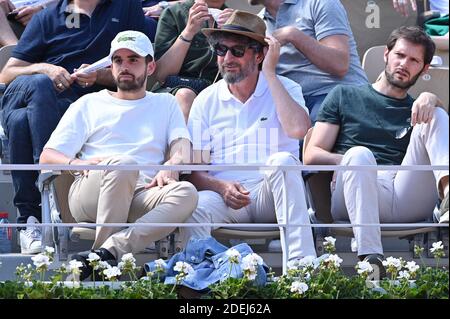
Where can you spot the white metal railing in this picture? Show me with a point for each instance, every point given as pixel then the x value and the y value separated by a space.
pixel 284 168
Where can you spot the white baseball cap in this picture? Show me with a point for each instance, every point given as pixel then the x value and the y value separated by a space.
pixel 135 41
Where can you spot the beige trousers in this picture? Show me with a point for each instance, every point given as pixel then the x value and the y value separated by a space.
pixel 120 197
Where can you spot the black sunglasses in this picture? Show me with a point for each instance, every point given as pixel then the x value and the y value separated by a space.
pixel 237 50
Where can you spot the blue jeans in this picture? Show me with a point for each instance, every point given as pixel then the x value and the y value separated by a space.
pixel 31 110
pixel 313 104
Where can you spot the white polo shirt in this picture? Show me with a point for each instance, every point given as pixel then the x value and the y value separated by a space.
pixel 241 133
pixel 99 125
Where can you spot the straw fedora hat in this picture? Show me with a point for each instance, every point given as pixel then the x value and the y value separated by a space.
pixel 243 23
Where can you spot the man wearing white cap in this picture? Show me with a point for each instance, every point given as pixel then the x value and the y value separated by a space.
pixel 130 126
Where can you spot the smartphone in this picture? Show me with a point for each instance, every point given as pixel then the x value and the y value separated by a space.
pixel 12 15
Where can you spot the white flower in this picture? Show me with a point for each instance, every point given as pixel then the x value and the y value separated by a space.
pixel 329 240
pixel 404 274
pixel 41 261
pixel 183 267
pixel 233 255
pixel 334 260
pixel 299 287
pixel 112 272
pixel 49 250
pixel 128 258
pixel 103 265
pixel 308 262
pixel 127 263
pixel 93 257
pixel 293 264
pixel 65 268
pixel 160 264
pixel 437 247
pixel 249 268
pixel 392 262
pixel 364 267
pixel 250 275
pixel 248 265
pixel 74 266
pixel 253 259
pixel 412 266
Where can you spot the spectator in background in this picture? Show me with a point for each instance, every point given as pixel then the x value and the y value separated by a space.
pixel 318 49
pixel 19 13
pixel 42 84
pixel 186 65
pixel 402 6
pixel 154 8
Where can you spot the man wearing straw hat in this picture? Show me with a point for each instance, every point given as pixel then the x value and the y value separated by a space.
pixel 251 116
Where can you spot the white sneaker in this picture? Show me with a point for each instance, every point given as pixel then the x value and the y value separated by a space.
pixel 30 238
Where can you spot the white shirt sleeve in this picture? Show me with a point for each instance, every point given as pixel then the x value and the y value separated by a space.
pixel 177 125
pixel 71 133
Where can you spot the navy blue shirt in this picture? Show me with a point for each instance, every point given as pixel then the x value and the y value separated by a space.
pixel 148 3
pixel 48 38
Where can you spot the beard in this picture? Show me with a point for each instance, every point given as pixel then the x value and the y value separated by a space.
pixel 129 86
pixel 236 77
pixel 405 85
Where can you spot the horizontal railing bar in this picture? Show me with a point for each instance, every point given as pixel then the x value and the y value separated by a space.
pixel 92 225
pixel 48 167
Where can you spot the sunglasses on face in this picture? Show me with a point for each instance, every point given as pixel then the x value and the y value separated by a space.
pixel 237 50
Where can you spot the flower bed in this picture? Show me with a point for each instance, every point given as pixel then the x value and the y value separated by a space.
pixel 314 278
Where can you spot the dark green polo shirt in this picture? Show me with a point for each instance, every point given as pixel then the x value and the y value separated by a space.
pixel 200 61
pixel 368 118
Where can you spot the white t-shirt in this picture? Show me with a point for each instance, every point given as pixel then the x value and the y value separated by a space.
pixel 99 125
pixel 238 133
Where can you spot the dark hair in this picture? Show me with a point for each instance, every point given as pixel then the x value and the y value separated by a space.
pixel 216 37
pixel 148 59
pixel 414 35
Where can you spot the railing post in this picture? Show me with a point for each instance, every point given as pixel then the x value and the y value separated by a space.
pixel 285 229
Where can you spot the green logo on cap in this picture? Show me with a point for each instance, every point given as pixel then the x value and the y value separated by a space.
pixel 126 38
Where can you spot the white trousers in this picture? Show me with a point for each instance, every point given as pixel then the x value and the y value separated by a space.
pixel 392 196
pixel 268 196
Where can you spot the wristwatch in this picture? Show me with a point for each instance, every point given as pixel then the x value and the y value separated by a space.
pixel 163 4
